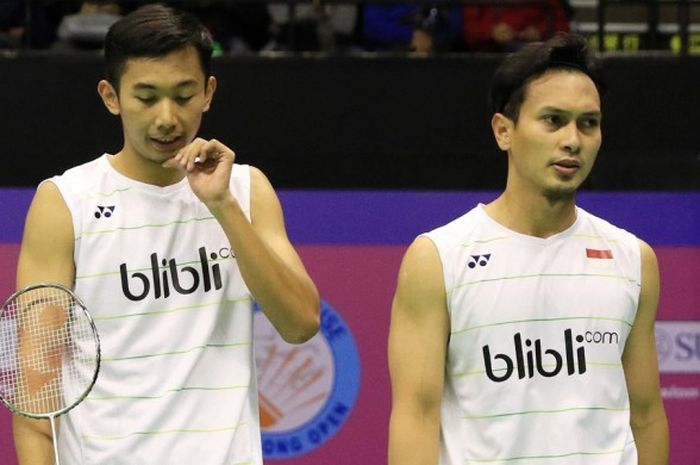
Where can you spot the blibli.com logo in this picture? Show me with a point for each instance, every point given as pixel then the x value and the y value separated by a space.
pixel 166 276
pixel 531 358
pixel 306 391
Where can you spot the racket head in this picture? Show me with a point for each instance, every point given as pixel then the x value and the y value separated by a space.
pixel 49 351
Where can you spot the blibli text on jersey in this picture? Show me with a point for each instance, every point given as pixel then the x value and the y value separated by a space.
pixel 528 361
pixel 166 276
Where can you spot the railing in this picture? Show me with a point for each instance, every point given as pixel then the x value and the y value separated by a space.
pixel 683 19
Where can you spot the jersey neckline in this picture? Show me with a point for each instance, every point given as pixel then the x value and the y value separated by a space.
pixel 542 241
pixel 105 162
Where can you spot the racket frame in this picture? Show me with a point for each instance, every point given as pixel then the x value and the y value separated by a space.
pixel 79 303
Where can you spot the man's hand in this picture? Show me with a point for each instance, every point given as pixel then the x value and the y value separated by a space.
pixel 208 165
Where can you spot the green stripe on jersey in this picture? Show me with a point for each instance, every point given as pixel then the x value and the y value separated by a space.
pixel 542 275
pixel 537 320
pixel 213 305
pixel 163 432
pixel 596 236
pixel 148 268
pixel 556 456
pixel 484 241
pixel 143 226
pixel 170 391
pixel 546 412
pixel 178 352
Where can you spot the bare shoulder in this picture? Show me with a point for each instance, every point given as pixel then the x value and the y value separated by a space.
pixel 48 194
pixel 648 255
pixel 46 253
pixel 419 309
pixel 259 182
pixel 48 210
pixel 650 270
pixel 421 285
pixel 264 204
pixel 650 286
pixel 422 258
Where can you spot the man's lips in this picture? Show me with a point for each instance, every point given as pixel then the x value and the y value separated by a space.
pixel 566 166
pixel 166 143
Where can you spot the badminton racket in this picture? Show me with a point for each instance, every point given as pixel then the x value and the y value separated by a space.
pixel 49 353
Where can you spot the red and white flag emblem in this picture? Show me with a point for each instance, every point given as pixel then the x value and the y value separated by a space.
pixel 598 253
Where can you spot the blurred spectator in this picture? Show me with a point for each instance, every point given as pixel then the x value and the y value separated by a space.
pixel 505 27
pixel 237 27
pixel 314 26
pixel 384 27
pixel 86 28
pixel 11 24
pixel 404 27
pixel 15 33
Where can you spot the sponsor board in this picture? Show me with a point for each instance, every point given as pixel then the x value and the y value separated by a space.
pixel 678 346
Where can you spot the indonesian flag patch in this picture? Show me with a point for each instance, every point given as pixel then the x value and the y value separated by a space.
pixel 597 253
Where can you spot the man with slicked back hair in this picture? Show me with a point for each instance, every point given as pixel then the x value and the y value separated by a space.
pixel 523 331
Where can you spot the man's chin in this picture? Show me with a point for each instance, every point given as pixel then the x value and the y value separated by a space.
pixel 562 192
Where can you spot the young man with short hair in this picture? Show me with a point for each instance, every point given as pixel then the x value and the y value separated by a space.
pixel 168 242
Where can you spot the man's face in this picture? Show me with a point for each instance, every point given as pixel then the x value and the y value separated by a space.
pixel 554 143
pixel 161 101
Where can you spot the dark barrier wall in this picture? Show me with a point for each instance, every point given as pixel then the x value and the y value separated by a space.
pixel 358 122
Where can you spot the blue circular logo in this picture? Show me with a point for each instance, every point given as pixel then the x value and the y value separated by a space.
pixel 306 391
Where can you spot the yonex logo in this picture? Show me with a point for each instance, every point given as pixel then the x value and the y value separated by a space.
pixel 105 211
pixel 481 260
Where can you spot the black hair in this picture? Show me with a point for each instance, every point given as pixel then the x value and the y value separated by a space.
pixel 154 30
pixel 562 51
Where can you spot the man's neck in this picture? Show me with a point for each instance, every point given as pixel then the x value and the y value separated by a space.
pixel 143 170
pixel 533 215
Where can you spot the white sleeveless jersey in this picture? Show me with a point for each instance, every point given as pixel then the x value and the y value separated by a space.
pixel 538 327
pixel 177 383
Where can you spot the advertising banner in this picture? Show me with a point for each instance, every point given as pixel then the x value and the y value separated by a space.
pixel 328 401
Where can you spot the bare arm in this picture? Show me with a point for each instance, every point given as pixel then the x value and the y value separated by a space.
pixel 270 266
pixel 417 350
pixel 46 255
pixel 639 360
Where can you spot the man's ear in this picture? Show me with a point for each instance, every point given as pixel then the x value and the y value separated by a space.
pixel 109 96
pixel 209 92
pixel 502 127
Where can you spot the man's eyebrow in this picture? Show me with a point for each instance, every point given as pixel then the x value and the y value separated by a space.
pixel 549 109
pixel 149 86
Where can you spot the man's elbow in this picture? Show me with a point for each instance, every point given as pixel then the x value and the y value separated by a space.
pixel 648 415
pixel 305 328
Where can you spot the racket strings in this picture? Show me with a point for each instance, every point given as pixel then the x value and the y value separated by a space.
pixel 49 351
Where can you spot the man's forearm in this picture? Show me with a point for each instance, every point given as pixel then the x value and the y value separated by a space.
pixel 33 442
pixel 652 440
pixel 413 440
pixel 289 300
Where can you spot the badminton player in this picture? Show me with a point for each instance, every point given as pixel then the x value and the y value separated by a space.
pixel 168 242
pixel 523 331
